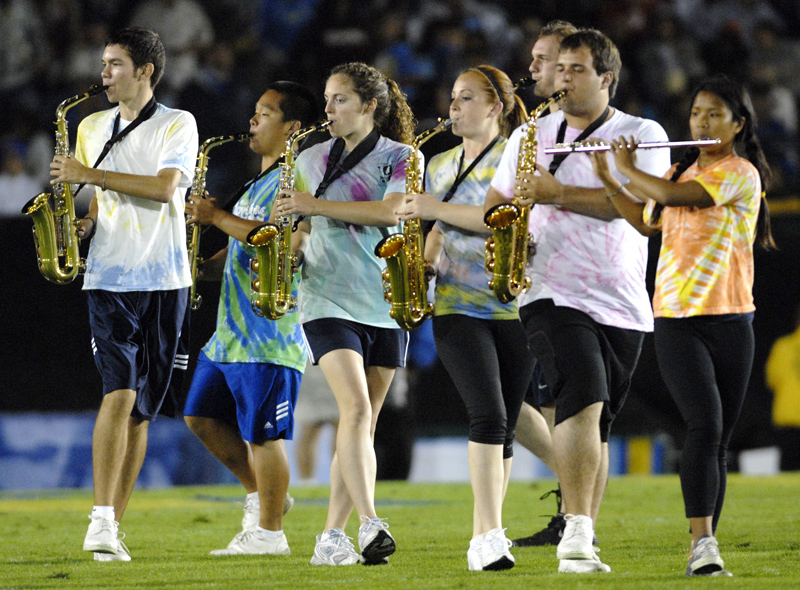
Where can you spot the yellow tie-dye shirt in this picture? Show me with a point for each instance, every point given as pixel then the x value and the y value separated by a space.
pixel 706 262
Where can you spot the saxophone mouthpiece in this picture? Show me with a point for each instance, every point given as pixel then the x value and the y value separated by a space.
pixel 96 89
pixel 524 83
pixel 558 95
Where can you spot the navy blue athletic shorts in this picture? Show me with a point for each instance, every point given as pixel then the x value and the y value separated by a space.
pixel 135 339
pixel 380 347
pixel 257 398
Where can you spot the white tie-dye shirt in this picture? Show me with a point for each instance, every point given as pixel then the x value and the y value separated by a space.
pixel 140 244
pixel 597 267
pixel 341 276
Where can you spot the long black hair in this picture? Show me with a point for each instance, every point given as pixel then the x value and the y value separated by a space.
pixel 746 142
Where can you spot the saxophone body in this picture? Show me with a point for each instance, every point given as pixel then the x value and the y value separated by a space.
pixel 55 231
pixel 404 283
pixel 199 191
pixel 506 255
pixel 272 269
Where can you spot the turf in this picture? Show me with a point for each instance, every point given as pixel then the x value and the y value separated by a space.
pixel 641 531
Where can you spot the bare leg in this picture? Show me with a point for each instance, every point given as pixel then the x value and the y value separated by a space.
pixel 272 476
pixel 701 526
pixel 224 442
pixel 360 396
pixel 109 442
pixel 487 475
pixel 577 446
pixel 131 464
pixel 306 449
pixel 600 483
pixel 533 433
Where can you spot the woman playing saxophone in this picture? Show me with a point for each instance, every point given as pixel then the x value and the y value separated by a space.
pixel 480 340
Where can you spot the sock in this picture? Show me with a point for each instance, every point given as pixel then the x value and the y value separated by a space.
pixel 253 496
pixel 270 535
pixel 104 511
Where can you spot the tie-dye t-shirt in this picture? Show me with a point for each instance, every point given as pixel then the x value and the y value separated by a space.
pixel 140 244
pixel 242 336
pixel 597 267
pixel 341 276
pixel 462 285
pixel 706 262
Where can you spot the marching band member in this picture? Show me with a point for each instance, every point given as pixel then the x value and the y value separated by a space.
pixel 480 340
pixel 349 189
pixel 709 210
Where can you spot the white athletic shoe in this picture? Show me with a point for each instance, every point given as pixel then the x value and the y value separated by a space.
pixel 122 554
pixel 490 552
pixel 254 543
pixel 252 514
pixel 334 548
pixel 374 540
pixel 101 536
pixel 582 566
pixel 288 502
pixel 577 540
pixel 706 560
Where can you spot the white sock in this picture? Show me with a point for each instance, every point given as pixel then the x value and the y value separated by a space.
pixel 254 497
pixel 104 511
pixel 270 535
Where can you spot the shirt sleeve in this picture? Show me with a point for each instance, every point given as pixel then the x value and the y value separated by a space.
pixel 506 173
pixel 733 181
pixel 397 183
pixel 180 147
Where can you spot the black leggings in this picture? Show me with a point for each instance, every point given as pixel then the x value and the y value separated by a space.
pixel 491 367
pixel 705 362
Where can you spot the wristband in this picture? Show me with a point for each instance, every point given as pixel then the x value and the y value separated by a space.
pixel 615 193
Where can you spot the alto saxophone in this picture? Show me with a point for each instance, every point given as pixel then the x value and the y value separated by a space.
pixel 273 267
pixel 404 284
pixel 55 228
pixel 506 253
pixel 199 191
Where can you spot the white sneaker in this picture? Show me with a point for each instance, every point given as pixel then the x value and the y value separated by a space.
pixel 490 552
pixel 582 566
pixel 288 502
pixel 577 540
pixel 101 536
pixel 254 543
pixel 374 540
pixel 122 554
pixel 252 515
pixel 334 548
pixel 706 560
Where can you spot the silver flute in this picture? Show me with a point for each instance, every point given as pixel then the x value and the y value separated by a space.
pixel 604 146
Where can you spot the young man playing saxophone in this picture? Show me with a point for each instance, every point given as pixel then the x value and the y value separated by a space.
pixel 589 306
pixel 241 402
pixel 137 278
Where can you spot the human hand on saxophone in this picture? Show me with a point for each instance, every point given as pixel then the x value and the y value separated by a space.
pixel 296 203
pixel 418 206
pixel 68 169
pixel 202 211
pixel 541 188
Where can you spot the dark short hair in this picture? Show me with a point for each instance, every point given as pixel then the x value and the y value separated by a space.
pixel 605 55
pixel 298 103
pixel 144 46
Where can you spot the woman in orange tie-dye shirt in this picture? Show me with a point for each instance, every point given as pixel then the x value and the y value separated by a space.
pixel 709 211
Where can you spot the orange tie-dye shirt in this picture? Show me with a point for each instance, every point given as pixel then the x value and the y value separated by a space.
pixel 706 262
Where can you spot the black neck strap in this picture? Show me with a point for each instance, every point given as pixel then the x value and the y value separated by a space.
pixel 428 224
pixel 334 169
pixel 117 135
pixel 562 131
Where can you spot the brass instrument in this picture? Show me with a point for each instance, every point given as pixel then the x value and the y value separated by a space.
pixel 523 83
pixel 273 267
pixel 507 248
pixel 198 192
pixel 55 228
pixel 404 284
pixel 604 146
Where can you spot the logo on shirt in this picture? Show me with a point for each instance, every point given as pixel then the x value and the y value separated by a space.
pixel 386 174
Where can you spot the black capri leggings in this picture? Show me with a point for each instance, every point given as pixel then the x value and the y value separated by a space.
pixel 705 362
pixel 491 366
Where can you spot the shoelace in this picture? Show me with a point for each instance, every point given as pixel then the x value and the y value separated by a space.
pixel 498 541
pixel 379 522
pixel 707 547
pixel 341 539
pixel 121 536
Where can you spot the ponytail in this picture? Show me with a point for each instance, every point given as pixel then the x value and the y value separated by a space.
pixel 393 116
pixel 500 88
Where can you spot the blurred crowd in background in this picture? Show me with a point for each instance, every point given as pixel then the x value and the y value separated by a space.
pixel 222 53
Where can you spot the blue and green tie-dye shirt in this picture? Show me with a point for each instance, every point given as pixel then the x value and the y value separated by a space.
pixel 462 285
pixel 242 336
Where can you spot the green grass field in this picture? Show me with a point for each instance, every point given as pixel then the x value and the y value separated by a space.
pixel 170 532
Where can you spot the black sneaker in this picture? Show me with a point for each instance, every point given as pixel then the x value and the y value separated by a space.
pixel 550 535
